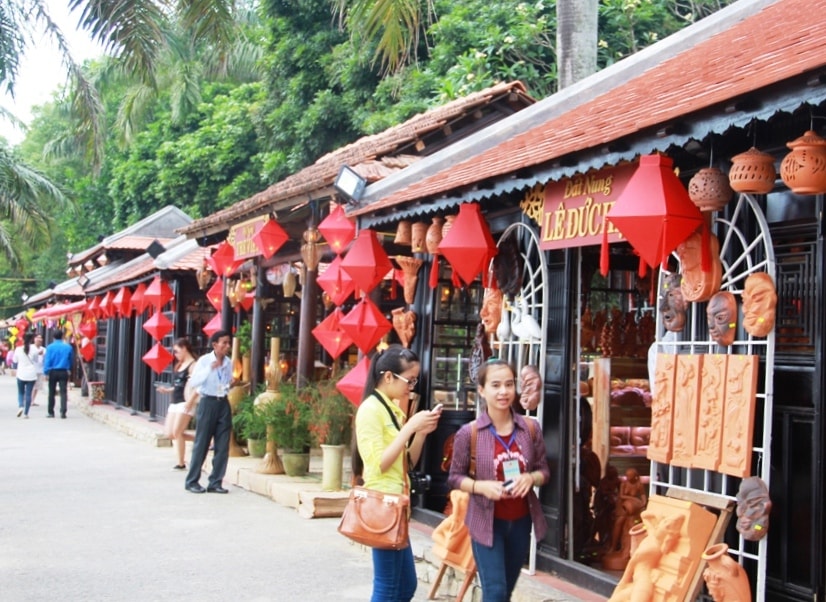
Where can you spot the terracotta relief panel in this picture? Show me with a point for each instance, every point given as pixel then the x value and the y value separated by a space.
pixel 662 408
pixel 738 415
pixel 663 565
pixel 686 403
pixel 710 416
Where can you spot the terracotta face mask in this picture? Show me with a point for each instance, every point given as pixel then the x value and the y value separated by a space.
pixel 672 304
pixel 491 312
pixel 759 303
pixel 753 509
pixel 721 314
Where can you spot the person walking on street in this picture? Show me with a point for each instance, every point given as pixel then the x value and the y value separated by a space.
pixel 25 357
pixel 212 379
pixel 39 384
pixel 57 366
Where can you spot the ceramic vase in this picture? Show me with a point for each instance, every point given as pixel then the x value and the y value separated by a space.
pixel 804 169
pixel 725 579
pixel 709 189
pixel 332 462
pixel 753 172
pixel 403 233
pixel 434 235
pixel 417 235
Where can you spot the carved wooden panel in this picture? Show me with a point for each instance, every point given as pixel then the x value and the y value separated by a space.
pixel 738 414
pixel 710 416
pixel 662 408
pixel 686 403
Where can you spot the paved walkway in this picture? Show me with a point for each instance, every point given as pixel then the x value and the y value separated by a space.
pixel 288 492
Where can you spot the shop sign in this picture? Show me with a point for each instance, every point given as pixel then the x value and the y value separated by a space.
pixel 240 237
pixel 575 208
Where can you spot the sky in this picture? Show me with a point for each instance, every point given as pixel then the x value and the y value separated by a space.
pixel 41 72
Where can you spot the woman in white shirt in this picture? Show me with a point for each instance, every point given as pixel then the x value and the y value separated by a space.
pixel 25 357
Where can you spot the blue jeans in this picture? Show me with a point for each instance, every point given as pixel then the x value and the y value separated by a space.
pixel 500 564
pixel 394 575
pixel 24 394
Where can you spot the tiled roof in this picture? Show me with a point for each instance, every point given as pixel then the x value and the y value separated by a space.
pixel 749 45
pixel 320 176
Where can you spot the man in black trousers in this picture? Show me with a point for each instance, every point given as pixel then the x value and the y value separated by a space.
pixel 57 366
pixel 212 378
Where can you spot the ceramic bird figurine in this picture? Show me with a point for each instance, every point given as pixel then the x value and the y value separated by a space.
pixel 503 329
pixel 523 325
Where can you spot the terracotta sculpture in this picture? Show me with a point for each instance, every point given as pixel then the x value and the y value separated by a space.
pixel 630 503
pixel 753 509
pixel 686 402
pixel 404 323
pixel 410 267
pixel 726 580
pixel 480 353
pixel 531 388
pixel 659 448
pixel 491 311
pixel 738 410
pixel 710 415
pixel 759 304
pixel 721 315
pixel 672 303
pixel 696 284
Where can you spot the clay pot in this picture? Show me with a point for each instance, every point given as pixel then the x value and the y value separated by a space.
pixel 804 169
pixel 752 171
pixel 709 189
pixel 449 219
pixel 638 532
pixel 725 579
pixel 403 233
pixel 434 235
pixel 417 235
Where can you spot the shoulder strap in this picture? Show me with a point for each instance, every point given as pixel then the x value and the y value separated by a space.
pixel 531 426
pixel 474 431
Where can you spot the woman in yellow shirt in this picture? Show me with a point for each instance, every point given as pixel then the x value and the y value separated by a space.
pixel 383 434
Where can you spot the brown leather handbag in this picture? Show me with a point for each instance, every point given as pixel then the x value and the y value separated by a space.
pixel 376 519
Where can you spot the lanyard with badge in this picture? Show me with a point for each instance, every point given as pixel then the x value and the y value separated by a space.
pixel 510 467
pixel 223 374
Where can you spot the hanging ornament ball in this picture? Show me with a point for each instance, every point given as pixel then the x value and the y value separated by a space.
pixel 752 171
pixel 709 189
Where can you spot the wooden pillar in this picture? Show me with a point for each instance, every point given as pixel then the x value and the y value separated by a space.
pixel 306 341
pixel 258 334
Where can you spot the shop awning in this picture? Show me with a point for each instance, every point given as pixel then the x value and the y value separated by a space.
pixel 58 311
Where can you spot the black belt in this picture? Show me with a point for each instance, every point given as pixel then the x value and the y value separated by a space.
pixel 223 398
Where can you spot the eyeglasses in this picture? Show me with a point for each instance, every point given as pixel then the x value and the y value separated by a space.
pixel 411 382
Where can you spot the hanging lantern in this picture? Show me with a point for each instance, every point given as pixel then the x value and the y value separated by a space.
pixel 709 189
pixel 804 169
pixel 93 306
pixel 245 301
pixel 654 212
pixel 158 325
pixel 223 260
pixel 107 307
pixel 309 250
pixel 158 293
pixel 365 324
pixel 469 246
pixel 334 340
pixel 752 172
pixel 352 384
pixel 269 238
pixel 418 232
pixel 204 274
pixel 337 229
pixel 366 262
pixel 88 328
pixel 215 294
pixel 213 326
pixel 87 350
pixel 138 301
pixel 157 358
pixel 123 302
pixel 403 233
pixel 336 282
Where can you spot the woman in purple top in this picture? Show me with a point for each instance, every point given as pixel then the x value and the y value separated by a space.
pixel 509 462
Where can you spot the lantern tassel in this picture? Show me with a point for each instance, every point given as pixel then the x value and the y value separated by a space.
pixel 454 280
pixel 643 269
pixel 393 287
pixel 655 278
pixel 433 281
pixel 603 252
pixel 706 253
pixel 664 259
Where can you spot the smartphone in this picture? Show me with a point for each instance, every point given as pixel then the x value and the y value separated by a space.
pixel 508 485
pixel 437 408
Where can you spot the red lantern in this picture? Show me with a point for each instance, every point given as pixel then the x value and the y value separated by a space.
pixel 365 324
pixel 337 229
pixel 107 306
pixel 157 294
pixel 468 246
pixel 123 302
pixel 213 326
pixel 336 282
pixel 352 384
pixel 654 211
pixel 223 260
pixel 157 358
pixel 366 262
pixel 334 340
pixel 93 306
pixel 246 302
pixel 215 294
pixel 22 325
pixel 269 238
pixel 88 328
pixel 138 301
pixel 87 350
pixel 158 325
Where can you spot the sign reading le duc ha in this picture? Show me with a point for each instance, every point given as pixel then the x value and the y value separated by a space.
pixel 241 237
pixel 575 208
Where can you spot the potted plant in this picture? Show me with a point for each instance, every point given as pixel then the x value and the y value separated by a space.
pixel 250 425
pixel 332 424
pixel 289 416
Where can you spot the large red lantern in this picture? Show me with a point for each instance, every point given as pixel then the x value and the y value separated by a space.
pixel 88 328
pixel 365 324
pixel 352 384
pixel 158 325
pixel 138 301
pixel 158 293
pixel 123 302
pixel 337 229
pixel 107 305
pixel 215 294
pixel 93 306
pixel 269 238
pixel 654 212
pixel 336 282
pixel 223 260
pixel 87 350
pixel 334 340
pixel 245 302
pixel 213 326
pixel 468 246
pixel 366 262
pixel 157 358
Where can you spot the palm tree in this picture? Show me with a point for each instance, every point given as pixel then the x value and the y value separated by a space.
pixel 576 39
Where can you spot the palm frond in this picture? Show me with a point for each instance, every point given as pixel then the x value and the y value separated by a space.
pixel 132 111
pixel 185 92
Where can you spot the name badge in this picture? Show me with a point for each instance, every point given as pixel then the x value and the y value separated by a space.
pixel 511 469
